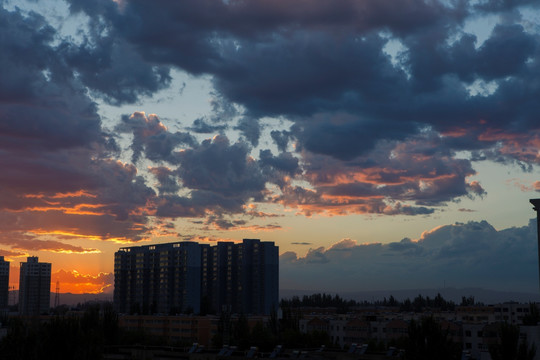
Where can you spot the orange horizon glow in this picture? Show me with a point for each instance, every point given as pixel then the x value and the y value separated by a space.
pixel 71 281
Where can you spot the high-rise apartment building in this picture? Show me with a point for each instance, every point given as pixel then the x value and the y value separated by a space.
pixel 34 287
pixel 4 283
pixel 161 278
pixel 245 277
pixel 185 276
pixel 259 276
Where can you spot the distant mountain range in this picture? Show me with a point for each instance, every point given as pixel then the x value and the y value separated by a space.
pixel 66 298
pixel 455 294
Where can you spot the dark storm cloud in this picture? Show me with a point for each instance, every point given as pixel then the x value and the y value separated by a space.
pixel 195 24
pixel 152 137
pixel 115 71
pixel 319 57
pixel 167 183
pixel 59 177
pixel 250 129
pixel 220 167
pixel 504 5
pixel 345 137
pixel 33 108
pixel 464 254
pixel 201 126
pixel 281 138
pixel 381 96
pixel 278 169
pixel 325 67
pixel 221 177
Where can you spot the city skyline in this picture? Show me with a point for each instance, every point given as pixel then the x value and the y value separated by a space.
pixel 380 145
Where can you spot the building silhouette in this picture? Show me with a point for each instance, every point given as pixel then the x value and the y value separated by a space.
pixel 190 277
pixel 34 287
pixel 155 278
pixel 4 283
pixel 536 207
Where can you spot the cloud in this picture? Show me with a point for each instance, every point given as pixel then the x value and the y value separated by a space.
pixel 251 130
pixel 525 187
pixel 60 174
pixel 381 97
pixel 324 61
pixel 9 255
pixel 167 183
pixel 74 282
pixel 201 126
pixel 222 178
pixel 281 138
pixel 152 137
pixel 219 222
pixel 30 243
pixel 343 244
pixel 385 181
pixel 472 254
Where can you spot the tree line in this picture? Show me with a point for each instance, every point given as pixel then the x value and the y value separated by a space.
pixel 417 304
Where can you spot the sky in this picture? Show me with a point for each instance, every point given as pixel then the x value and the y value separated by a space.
pixel 381 144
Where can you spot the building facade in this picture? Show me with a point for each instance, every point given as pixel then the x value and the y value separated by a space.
pixel 190 277
pixel 4 283
pixel 34 287
pixel 162 278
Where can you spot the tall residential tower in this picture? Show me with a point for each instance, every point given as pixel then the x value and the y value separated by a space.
pixel 4 283
pixel 34 287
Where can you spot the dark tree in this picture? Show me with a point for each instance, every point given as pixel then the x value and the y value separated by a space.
pixel 428 341
pixel 509 347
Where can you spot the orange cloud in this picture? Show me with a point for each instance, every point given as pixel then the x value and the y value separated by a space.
pixel 10 255
pixel 523 147
pixel 79 209
pixel 209 239
pixel 253 228
pixel 76 283
pixel 76 194
pixel 535 186
pixel 455 132
pixel 24 241
pixel 67 235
